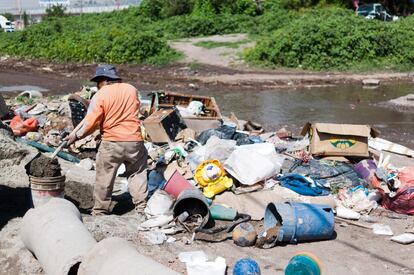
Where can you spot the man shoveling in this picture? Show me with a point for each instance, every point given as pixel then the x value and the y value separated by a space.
pixel 114 109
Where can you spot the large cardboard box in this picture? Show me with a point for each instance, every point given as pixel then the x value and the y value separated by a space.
pixel 163 126
pixel 327 139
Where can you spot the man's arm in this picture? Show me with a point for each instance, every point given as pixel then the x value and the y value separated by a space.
pixel 91 121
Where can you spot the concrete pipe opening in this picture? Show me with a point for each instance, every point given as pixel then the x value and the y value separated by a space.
pixel 55 234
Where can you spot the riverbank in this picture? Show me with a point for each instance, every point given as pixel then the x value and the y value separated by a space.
pixel 68 77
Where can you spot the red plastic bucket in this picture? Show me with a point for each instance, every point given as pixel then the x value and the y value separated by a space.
pixel 176 184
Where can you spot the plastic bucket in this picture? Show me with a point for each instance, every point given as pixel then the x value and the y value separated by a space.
pixel 305 264
pixel 297 222
pixel 43 189
pixel 193 202
pixel 176 184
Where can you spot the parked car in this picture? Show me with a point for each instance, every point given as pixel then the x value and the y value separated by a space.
pixel 375 11
pixel 6 25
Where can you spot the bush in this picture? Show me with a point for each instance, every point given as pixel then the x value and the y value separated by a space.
pixel 89 38
pixel 336 39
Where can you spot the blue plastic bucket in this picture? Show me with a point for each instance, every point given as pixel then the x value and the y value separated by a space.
pixel 299 221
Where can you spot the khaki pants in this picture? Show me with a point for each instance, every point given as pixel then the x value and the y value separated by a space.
pixel 111 155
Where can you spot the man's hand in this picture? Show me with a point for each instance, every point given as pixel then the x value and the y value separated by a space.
pixel 70 139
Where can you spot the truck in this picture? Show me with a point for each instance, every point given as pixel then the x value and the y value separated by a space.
pixel 6 25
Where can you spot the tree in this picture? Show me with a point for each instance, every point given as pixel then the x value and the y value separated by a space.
pixel 55 11
pixel 8 15
pixel 25 19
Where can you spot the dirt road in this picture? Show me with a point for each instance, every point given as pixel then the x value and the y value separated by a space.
pixel 226 50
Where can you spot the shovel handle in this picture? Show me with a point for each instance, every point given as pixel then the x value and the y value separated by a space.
pixel 64 143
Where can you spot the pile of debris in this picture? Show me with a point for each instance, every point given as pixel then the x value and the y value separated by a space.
pixel 213 178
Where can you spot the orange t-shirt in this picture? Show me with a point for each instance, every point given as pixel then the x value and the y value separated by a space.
pixel 114 109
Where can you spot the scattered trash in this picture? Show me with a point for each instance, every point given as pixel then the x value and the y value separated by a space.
pixel 211 176
pixel 382 229
pixel 246 266
pixel 155 237
pixel 160 203
pixel 406 238
pixel 192 256
pixel 385 145
pixel 305 264
pixel 164 125
pixel 260 158
pixel 157 221
pixel 221 212
pixel 244 234
pixel 338 139
pixel 21 127
pixel 177 184
pixel 86 164
pixel 195 204
pixel 302 185
pixel 218 267
pixel 295 222
pixel 31 94
pixel 346 213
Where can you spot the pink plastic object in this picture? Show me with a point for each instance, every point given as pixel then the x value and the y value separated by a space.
pixel 176 184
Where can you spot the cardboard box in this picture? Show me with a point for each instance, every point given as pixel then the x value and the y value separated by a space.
pixel 327 139
pixel 164 125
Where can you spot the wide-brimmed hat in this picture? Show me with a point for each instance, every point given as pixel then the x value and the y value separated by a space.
pixel 105 71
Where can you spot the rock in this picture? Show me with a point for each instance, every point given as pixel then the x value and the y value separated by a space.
pixel 31 94
pixel 13 158
pixel 371 82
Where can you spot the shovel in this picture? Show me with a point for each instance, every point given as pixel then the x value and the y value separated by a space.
pixel 64 143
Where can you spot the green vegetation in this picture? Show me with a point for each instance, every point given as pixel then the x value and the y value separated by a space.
pixel 308 34
pixel 215 44
pixel 335 38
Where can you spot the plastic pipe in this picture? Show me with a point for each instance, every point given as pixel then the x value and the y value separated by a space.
pixel 55 234
pixel 118 256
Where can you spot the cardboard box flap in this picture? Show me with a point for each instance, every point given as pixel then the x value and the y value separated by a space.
pixel 341 129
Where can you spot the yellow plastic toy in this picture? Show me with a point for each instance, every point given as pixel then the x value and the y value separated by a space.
pixel 211 175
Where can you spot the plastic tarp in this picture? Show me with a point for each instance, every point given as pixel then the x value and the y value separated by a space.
pixel 253 163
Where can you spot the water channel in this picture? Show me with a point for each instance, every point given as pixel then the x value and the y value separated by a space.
pixel 341 104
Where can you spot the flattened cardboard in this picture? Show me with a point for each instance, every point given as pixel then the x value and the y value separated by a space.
pixel 328 139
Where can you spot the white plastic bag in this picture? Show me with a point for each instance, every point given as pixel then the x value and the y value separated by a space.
pixel 219 149
pixel 218 267
pixel 253 163
pixel 160 203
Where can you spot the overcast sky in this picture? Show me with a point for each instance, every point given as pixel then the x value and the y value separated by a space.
pixel 32 4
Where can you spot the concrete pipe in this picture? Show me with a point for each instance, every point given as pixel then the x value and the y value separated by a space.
pixel 118 256
pixel 55 234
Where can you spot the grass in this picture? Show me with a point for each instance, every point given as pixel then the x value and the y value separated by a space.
pixel 216 44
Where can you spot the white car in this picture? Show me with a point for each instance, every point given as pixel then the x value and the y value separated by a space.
pixel 375 11
pixel 6 25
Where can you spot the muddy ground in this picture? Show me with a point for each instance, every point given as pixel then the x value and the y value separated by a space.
pixel 67 78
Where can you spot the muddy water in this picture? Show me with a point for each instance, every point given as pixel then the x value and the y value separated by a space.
pixel 344 104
